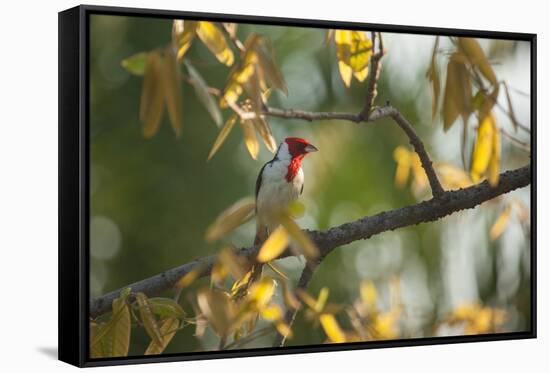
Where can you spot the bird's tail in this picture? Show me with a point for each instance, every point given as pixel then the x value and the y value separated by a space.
pixel 255 271
pixel 261 236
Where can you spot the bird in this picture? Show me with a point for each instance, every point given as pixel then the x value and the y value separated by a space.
pixel 279 183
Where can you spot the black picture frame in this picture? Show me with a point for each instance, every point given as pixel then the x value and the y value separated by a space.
pixel 74 184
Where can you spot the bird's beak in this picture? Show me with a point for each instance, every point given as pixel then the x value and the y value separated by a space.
pixel 310 148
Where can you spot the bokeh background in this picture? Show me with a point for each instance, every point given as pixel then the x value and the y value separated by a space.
pixel 152 199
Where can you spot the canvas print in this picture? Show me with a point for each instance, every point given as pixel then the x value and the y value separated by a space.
pixel 266 186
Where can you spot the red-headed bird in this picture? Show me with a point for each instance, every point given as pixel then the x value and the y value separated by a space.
pixel 280 182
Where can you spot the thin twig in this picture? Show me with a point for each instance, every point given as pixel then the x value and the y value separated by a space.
pixel 251 337
pixel 514 140
pixel 303 283
pixel 375 66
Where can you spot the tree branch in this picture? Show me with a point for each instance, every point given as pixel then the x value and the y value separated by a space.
pixel 375 66
pixel 375 114
pixel 431 210
pixel 437 189
pixel 310 115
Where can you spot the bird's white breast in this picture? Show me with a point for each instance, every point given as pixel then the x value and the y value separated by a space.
pixel 276 192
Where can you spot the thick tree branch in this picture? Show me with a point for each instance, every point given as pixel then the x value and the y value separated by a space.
pixel 431 210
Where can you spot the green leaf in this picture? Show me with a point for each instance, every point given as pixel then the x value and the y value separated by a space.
pixel 219 310
pixel 151 104
pixel 120 333
pixel 471 48
pixel 300 237
pixel 183 33
pixel 172 90
pixel 433 76
pixel 458 91
pixel 250 139
pixel 275 244
pixel 112 339
pixel 168 330
pixel 201 89
pixel 136 63
pixel 148 319
pixel 230 219
pixel 166 308
pixel 213 38
pixel 226 129
pixel 271 71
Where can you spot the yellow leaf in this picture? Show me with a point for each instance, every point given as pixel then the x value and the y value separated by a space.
pixel 289 298
pixel 284 329
pixel 120 333
pixel 321 300
pixel 368 294
pixel 250 139
pixel 275 244
pixel 96 349
pixel 166 308
pixel 188 278
pixel 213 38
pixel 243 73
pixel 457 99
pixel 233 263
pixel 420 179
pixel 230 219
pixel 501 223
pixel 218 309
pixel 204 96
pixel 452 177
pixel 493 172
pixel 172 90
pixel 183 33
pixel 152 95
pixel 307 299
pixel 483 148
pixel 471 48
pixel 433 76
pixel 307 246
pixel 332 328
pixel 353 51
pixel 386 325
pixel 270 71
pixel 241 283
pixel 264 130
pixel 168 329
pixel 148 319
pixel 272 313
pixel 136 63
pixel 402 157
pixel 231 28
pixel 218 273
pixel 224 132
pixel 296 209
pixel 262 291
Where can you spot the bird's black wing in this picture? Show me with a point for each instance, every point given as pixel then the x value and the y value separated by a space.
pixel 259 179
pixel 302 190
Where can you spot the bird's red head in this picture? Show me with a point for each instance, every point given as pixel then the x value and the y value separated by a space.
pixel 298 147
